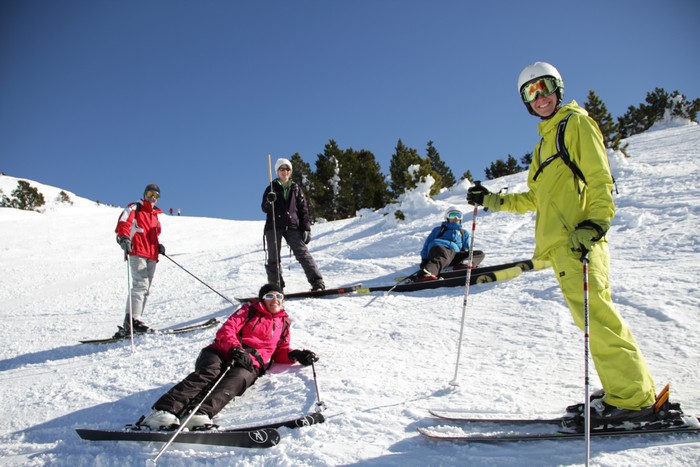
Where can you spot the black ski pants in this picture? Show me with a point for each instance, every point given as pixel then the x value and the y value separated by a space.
pixel 439 257
pixel 207 370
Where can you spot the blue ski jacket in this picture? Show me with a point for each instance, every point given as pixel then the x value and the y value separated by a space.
pixel 449 235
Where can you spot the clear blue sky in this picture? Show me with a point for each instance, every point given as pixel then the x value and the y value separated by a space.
pixel 101 97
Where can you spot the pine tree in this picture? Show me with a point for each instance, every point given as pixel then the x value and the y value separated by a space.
pixel 501 168
pixel 302 175
pixel 467 176
pixel 439 166
pixel 27 197
pixel 639 119
pixel 63 197
pixel 325 181
pixel 361 184
pixel 597 111
pixel 402 159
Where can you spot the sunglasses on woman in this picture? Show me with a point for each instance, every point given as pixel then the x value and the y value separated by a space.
pixel 272 296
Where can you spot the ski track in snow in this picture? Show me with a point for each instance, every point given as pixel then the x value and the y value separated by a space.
pixel 385 358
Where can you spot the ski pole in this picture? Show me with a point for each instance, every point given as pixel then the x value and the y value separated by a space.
pixel 200 280
pixel 128 288
pixel 278 256
pixel 454 381
pixel 404 281
pixel 183 424
pixel 320 405
pixel 586 338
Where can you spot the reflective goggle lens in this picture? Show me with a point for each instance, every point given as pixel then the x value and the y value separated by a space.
pixel 152 194
pixel 542 86
pixel 272 296
pixel 284 168
pixel 454 215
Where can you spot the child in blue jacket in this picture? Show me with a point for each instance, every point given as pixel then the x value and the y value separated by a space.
pixel 447 245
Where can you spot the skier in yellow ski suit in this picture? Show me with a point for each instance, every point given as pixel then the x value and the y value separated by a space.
pixel 573 216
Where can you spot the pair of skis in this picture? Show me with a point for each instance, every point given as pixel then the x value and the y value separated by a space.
pixel 669 419
pixel 682 424
pixel 260 436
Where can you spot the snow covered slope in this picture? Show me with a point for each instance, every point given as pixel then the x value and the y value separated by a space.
pixel 385 360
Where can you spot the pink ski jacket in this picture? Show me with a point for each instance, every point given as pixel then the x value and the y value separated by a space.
pixel 253 326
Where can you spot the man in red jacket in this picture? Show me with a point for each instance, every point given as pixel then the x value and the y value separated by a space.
pixel 244 347
pixel 137 231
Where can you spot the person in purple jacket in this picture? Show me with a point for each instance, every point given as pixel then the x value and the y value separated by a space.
pixel 256 335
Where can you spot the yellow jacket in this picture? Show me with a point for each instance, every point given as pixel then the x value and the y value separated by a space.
pixel 560 199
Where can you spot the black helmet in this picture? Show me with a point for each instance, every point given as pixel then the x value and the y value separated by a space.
pixel 151 187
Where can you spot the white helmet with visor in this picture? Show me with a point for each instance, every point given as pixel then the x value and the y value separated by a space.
pixel 539 78
pixel 453 213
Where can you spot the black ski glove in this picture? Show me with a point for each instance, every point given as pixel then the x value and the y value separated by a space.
pixel 161 249
pixel 241 358
pixel 305 357
pixel 306 235
pixel 125 243
pixel 476 193
pixel 271 197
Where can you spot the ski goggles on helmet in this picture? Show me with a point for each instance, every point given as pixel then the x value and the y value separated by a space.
pixel 272 296
pixel 541 86
pixel 151 194
pixel 454 215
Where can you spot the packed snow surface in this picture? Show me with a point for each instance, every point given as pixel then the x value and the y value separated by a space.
pixel 385 360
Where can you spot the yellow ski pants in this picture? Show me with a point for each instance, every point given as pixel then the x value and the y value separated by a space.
pixel 616 355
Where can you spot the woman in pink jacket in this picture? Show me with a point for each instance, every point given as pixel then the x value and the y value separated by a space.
pixel 248 342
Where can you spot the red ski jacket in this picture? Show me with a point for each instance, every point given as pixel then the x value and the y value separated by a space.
pixel 253 326
pixel 139 221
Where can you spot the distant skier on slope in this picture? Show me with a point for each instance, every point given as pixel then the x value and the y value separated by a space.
pixel 447 245
pixel 138 229
pixel 247 344
pixel 574 206
pixel 285 200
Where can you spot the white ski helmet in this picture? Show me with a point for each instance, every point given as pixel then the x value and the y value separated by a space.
pixel 539 70
pixel 452 211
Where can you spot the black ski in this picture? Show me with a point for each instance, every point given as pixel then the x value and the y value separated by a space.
pixel 258 438
pixel 300 422
pixel 310 293
pixel 455 417
pixel 691 426
pixel 194 327
pixel 476 278
pixel 524 264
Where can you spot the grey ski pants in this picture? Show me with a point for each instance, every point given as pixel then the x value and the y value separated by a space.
pixel 142 272
pixel 295 241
